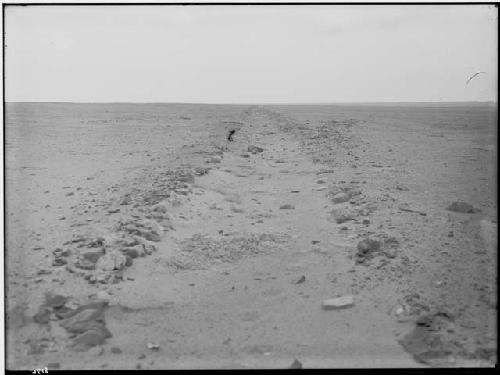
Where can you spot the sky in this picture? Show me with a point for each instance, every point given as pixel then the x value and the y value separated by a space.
pixel 251 54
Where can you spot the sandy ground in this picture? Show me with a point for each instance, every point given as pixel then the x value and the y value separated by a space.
pixel 221 257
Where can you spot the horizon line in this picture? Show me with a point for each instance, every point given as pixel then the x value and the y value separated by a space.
pixel 268 103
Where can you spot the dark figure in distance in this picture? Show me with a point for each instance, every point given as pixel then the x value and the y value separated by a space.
pixel 230 135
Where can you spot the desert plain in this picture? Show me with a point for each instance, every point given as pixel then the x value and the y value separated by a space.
pixel 176 236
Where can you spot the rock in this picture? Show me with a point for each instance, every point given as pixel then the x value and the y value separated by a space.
pixel 153 346
pixel 488 354
pixel 103 295
pixel 287 207
pixel 160 207
pixel 147 229
pixel 390 253
pixel 84 265
pixel 188 178
pixel 96 351
pixel 125 201
pixel 43 315
pixel 340 198
pixel 96 305
pixel 366 248
pixel 131 252
pixel 55 301
pixel 200 171
pixel 61 253
pixel 89 339
pixel 150 235
pixel 83 320
pixel 405 207
pixel 63 312
pixel 215 160
pixel 116 350
pixel 110 262
pixel 462 207
pixel 299 280
pixel 58 262
pixel 107 277
pixel 254 149
pixel 341 216
pixel 338 303
pixel 92 256
pixel 296 364
pixel 99 241
pixel 128 261
pixel 352 191
pixel 425 342
pixel 149 248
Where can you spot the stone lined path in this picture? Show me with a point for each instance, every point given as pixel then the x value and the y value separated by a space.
pixel 207 303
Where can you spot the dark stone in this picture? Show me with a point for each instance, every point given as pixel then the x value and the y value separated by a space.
pixel 63 312
pixel 43 315
pixel 366 249
pixel 92 256
pixel 255 149
pixel 58 262
pixel 55 301
pixel 296 364
pixel 85 264
pixel 89 339
pixel 131 252
pixel 97 242
pixel 116 350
